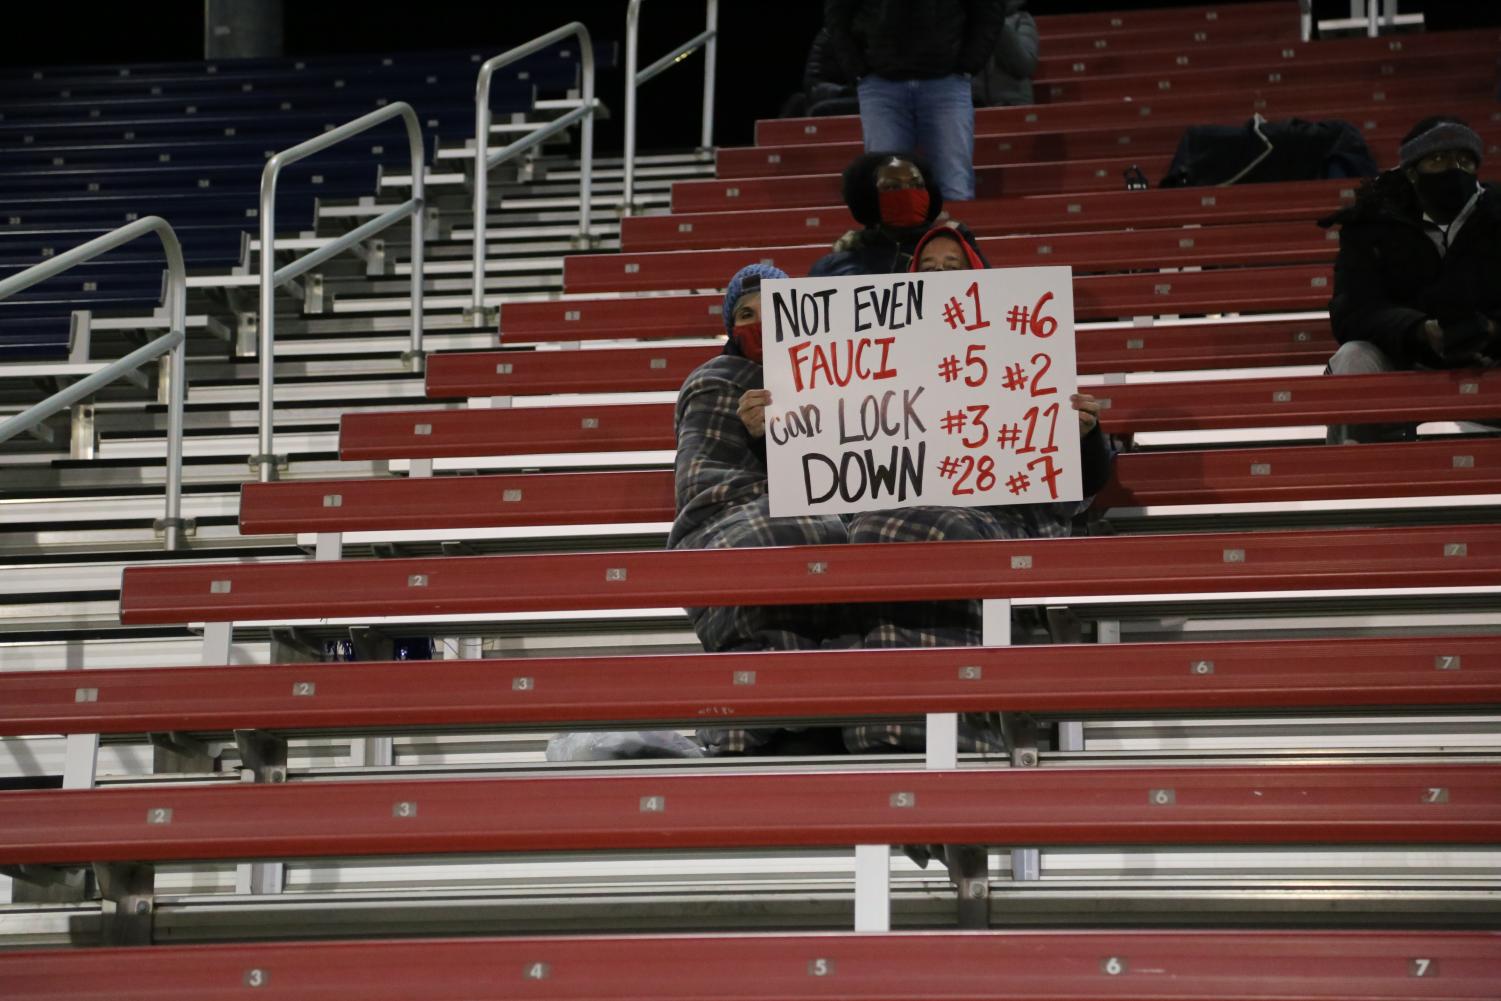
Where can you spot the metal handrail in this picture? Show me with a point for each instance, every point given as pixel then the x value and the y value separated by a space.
pixel 173 341
pixel 485 161
pixel 708 41
pixel 272 277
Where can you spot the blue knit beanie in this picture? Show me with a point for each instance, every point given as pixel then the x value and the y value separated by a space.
pixel 747 279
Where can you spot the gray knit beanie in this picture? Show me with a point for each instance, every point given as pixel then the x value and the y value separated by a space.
pixel 1443 136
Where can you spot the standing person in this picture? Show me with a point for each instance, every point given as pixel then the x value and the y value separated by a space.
pixel 1417 282
pixel 722 503
pixel 913 61
pixel 894 197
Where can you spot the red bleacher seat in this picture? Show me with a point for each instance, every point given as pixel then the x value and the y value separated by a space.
pixel 1289 202
pixel 1448 555
pixel 1241 964
pixel 1210 476
pixel 1108 251
pixel 1426 804
pixel 1462 394
pixel 1371 69
pixel 1096 297
pixel 1274 12
pixel 520 373
pixel 1308 472
pixel 1184 35
pixel 1265 55
pixel 1351 100
pixel 1000 149
pixel 995 181
pixel 686 688
pixel 1231 476
pixel 453 502
pixel 1203 345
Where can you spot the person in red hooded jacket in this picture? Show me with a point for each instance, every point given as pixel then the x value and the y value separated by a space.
pixel 951 247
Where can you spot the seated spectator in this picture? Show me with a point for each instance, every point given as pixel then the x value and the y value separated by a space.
pixel 1416 282
pixel 958 623
pixel 893 196
pixel 1006 79
pixel 912 64
pixel 722 502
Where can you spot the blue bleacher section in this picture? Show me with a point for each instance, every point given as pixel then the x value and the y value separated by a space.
pixel 84 149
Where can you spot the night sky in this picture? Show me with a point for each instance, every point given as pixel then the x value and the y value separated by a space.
pixel 763 43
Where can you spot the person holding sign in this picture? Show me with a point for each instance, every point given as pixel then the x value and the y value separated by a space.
pixel 894 197
pixel 722 503
pixel 923 409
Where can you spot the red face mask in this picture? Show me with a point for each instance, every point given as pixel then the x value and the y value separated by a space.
pixel 748 336
pixel 905 208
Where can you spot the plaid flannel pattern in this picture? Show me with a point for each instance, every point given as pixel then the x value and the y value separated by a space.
pixel 722 502
pixel 941 623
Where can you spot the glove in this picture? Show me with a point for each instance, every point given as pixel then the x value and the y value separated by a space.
pixel 1464 338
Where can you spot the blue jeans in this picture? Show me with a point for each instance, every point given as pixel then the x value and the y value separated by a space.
pixel 933 117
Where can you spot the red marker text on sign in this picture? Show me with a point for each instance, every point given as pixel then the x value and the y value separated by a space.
pixel 840 362
pixel 1032 321
pixel 1031 417
pixel 962 468
pixel 1049 473
pixel 1047 363
pixel 953 310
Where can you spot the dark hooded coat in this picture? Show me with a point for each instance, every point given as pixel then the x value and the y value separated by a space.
pixel 877 249
pixel 1390 277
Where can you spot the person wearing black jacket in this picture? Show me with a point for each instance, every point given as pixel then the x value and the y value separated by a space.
pixel 894 197
pixel 1417 283
pixel 913 61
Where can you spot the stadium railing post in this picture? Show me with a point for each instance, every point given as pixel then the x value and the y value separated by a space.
pixel 485 161
pixel 171 344
pixel 272 278
pixel 708 41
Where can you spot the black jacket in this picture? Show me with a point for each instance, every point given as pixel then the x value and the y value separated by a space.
pixel 1389 277
pixel 913 39
pixel 1006 80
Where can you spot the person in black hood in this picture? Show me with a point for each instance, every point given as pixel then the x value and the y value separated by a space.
pixel 1417 283
pixel 894 197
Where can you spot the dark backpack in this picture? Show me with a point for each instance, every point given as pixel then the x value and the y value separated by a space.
pixel 1260 151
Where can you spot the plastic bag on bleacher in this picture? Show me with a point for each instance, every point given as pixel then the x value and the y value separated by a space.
pixel 616 745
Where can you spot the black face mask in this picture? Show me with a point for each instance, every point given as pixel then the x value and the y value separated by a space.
pixel 1445 193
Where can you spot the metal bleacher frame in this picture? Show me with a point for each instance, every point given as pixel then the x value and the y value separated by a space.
pixel 248 786
pixel 170 345
pixel 485 161
pixel 708 40
pixel 271 277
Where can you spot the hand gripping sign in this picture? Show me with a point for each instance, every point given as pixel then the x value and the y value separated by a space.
pixel 946 388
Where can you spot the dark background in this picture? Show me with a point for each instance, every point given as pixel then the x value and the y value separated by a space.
pixel 762 43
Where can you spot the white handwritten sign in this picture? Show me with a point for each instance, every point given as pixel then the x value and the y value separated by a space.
pixel 946 388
